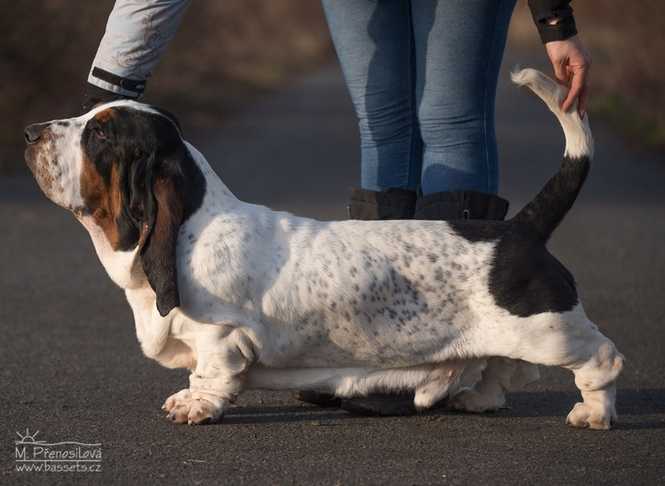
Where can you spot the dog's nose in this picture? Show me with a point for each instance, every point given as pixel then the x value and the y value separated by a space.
pixel 34 132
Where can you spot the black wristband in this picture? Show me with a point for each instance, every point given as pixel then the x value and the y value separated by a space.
pixel 544 11
pixel 134 86
pixel 562 30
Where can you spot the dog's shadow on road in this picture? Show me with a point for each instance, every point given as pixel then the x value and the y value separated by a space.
pixel 641 406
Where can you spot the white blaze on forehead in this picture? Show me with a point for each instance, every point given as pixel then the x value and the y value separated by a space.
pixel 71 165
pixel 135 105
pixel 118 104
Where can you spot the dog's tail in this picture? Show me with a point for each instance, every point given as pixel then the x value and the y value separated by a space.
pixel 544 213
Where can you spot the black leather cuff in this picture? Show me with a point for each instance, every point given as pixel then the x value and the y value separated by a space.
pixel 543 11
pixel 563 30
pixel 132 87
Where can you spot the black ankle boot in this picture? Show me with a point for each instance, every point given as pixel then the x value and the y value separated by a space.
pixel 461 205
pixel 374 205
pixel 371 205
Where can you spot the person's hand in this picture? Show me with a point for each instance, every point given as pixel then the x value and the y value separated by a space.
pixel 571 63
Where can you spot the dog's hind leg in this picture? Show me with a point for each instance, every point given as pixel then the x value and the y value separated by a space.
pixel 489 393
pixel 596 379
pixel 571 341
pixel 443 379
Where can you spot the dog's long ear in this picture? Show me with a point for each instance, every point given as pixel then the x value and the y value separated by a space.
pixel 156 189
pixel 162 187
pixel 165 213
pixel 154 199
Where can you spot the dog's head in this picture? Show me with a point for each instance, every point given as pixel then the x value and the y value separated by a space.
pixel 125 166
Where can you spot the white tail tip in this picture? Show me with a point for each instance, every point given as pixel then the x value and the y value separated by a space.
pixel 579 142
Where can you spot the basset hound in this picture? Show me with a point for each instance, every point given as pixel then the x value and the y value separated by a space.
pixel 248 298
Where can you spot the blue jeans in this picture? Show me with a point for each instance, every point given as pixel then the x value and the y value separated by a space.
pixel 422 76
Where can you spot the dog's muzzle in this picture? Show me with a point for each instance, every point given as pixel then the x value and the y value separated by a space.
pixel 33 133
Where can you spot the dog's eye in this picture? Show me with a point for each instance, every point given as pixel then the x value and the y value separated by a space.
pixel 98 133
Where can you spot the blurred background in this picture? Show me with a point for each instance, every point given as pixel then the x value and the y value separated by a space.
pixel 258 90
pixel 225 54
pixel 228 52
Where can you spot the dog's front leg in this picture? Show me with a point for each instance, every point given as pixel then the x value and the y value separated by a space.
pixel 216 381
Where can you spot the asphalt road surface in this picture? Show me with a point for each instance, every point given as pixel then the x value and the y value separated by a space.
pixel 72 369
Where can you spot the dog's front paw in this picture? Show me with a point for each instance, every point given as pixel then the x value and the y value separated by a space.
pixel 584 416
pixel 182 408
pixel 177 399
pixel 202 412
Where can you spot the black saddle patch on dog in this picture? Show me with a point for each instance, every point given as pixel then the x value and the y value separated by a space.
pixel 525 278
